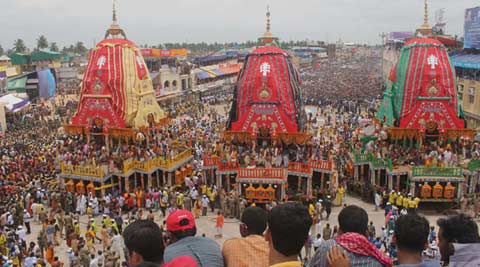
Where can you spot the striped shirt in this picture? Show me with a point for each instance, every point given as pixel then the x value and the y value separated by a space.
pixel 320 257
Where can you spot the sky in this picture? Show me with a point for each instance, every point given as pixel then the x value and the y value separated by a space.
pixel 159 21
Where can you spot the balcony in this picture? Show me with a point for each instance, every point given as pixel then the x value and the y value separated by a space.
pixel 436 172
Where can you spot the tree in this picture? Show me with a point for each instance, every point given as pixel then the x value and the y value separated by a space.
pixel 19 46
pixel 80 48
pixel 54 47
pixel 1 50
pixel 42 42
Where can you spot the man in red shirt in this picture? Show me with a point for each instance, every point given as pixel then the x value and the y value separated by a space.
pixel 219 225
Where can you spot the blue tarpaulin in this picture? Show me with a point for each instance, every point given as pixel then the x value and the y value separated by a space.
pixel 218 72
pixel 46 84
pixel 203 75
pixel 467 61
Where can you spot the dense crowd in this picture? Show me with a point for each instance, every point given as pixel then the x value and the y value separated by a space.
pixel 351 80
pixel 157 226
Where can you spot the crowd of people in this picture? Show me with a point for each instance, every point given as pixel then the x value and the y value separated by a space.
pixel 343 79
pixel 157 226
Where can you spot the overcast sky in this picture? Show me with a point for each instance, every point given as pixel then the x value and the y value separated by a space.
pixel 158 21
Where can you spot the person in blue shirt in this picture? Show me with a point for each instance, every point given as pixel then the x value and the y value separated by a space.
pixel 378 243
pixel 433 235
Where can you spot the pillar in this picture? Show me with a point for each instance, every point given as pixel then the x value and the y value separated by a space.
pixel 170 179
pixel 103 189
pixel 390 182
pixel 228 183
pixel 355 172
pixel 149 180
pixel 309 185
pixel 372 176
pixel 299 183
pixel 322 179
pixel 460 187
pixel 282 192
pixel 107 143
pixel 219 180
pixel 412 188
pixel 142 181
pixel 127 184
pixel 120 184
pixel 158 178
pixel 164 178
pixel 399 177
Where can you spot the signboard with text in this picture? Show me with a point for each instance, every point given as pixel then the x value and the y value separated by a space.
pixel 472 28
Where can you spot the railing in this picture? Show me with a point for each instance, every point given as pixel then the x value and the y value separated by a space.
pixel 83 170
pixel 129 166
pixel 228 166
pixel 321 164
pixel 299 167
pixel 474 165
pixel 210 161
pixel 363 157
pixel 172 162
pixel 437 172
pixel 382 163
pixel 273 173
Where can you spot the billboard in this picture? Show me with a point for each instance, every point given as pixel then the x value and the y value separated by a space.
pixel 472 28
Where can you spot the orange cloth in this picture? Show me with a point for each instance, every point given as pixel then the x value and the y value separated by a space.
pixel 250 251
pixel 49 255
pixel 220 221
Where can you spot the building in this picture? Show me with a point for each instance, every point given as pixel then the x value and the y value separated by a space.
pixel 467 69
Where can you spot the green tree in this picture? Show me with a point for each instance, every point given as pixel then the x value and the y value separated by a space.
pixel 19 46
pixel 54 47
pixel 80 48
pixel 42 42
pixel 1 50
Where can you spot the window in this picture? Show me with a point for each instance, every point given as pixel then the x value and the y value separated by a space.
pixel 471 99
pixel 471 91
pixel 460 88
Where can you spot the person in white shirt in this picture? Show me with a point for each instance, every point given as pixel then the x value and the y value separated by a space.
pixel 21 233
pixel 30 261
pixel 317 242
pixel 205 202
pixel 26 219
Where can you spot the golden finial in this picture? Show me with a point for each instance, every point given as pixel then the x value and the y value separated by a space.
pixel 114 19
pixel 425 16
pixel 114 28
pixel 425 29
pixel 267 32
pixel 268 18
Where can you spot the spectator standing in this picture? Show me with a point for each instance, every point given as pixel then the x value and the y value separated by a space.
pixel 352 240
pixel 144 242
pixel 287 232
pixel 411 239
pixel 251 250
pixel 459 241
pixel 219 225
pixel 185 247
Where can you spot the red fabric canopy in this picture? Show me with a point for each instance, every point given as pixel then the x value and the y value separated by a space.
pixel 430 98
pixel 112 69
pixel 266 94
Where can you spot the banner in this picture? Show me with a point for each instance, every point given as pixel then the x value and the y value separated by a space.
pixel 472 28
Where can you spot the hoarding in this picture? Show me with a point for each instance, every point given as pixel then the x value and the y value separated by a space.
pixel 472 28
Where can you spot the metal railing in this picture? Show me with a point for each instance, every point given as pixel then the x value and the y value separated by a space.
pixel 129 166
pixel 437 172
pixel 83 170
pixel 273 173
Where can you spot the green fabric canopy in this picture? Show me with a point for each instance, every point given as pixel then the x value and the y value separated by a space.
pixel 17 84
